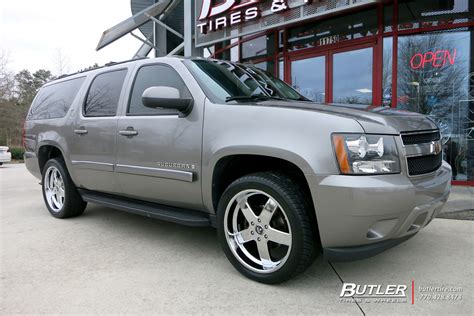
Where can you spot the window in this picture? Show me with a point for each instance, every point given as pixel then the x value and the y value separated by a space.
pixel 55 100
pixel 358 25
pixel 104 94
pixel 258 47
pixel 428 13
pixel 435 77
pixel 311 84
pixel 353 85
pixel 154 76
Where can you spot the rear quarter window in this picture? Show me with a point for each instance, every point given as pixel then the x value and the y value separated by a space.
pixel 54 101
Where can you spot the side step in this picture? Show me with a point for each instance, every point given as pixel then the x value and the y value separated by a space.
pixel 152 210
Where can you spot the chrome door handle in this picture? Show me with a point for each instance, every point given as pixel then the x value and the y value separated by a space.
pixel 129 132
pixel 81 131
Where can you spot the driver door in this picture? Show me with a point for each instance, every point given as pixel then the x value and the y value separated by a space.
pixel 159 153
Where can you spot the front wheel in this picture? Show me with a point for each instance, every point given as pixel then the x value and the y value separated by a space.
pixel 59 192
pixel 264 227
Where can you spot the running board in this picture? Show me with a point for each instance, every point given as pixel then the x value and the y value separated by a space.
pixel 151 210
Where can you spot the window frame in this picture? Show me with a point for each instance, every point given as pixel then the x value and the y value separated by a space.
pixel 89 89
pixel 132 87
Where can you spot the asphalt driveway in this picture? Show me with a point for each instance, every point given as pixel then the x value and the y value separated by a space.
pixel 112 262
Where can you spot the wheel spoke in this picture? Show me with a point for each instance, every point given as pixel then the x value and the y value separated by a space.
pixel 268 211
pixel 264 254
pixel 248 212
pixel 279 237
pixel 244 236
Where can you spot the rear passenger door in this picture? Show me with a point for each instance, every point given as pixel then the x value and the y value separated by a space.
pixel 94 144
pixel 159 153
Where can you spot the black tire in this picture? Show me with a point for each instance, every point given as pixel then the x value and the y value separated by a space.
pixel 289 195
pixel 1 164
pixel 73 204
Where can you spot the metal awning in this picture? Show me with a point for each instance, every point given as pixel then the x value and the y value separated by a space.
pixel 118 31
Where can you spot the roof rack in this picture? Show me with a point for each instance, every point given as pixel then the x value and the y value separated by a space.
pixel 109 64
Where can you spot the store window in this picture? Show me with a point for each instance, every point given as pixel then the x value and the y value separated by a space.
pixel 353 26
pixel 387 71
pixel 353 85
pixel 435 77
pixel 308 77
pixel 428 13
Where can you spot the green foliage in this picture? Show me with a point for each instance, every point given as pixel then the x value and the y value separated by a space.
pixel 17 153
pixel 16 100
pixel 28 84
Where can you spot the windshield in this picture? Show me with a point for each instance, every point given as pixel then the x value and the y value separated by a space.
pixel 225 81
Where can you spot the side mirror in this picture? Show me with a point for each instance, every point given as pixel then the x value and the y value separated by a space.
pixel 167 98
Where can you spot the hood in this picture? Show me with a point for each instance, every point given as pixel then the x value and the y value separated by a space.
pixel 375 120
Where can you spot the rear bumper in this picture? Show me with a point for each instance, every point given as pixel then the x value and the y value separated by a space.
pixel 32 164
pixel 373 213
pixel 7 157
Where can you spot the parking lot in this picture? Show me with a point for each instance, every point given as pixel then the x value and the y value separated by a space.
pixel 112 262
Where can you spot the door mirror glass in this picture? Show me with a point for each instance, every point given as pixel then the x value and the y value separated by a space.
pixel 167 98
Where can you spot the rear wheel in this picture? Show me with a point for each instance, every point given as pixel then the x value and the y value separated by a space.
pixel 59 192
pixel 264 228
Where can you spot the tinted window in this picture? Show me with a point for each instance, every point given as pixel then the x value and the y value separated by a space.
pixel 153 76
pixel 104 94
pixel 55 100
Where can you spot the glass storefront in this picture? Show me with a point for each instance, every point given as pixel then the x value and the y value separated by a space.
pixel 423 63
pixel 311 84
pixel 434 77
pixel 353 85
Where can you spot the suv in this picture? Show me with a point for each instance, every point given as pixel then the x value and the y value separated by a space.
pixel 205 142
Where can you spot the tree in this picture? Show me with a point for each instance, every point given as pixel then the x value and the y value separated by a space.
pixel 6 78
pixel 62 62
pixel 27 84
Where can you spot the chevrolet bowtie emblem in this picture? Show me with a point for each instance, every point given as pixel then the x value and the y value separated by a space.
pixel 436 148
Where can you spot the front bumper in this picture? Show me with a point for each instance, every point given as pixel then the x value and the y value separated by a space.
pixel 359 211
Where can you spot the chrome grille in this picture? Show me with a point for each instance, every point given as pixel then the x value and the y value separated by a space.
pixel 423 150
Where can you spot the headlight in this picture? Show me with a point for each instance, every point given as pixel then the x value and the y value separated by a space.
pixel 359 154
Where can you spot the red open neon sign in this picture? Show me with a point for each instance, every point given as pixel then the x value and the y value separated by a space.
pixel 436 59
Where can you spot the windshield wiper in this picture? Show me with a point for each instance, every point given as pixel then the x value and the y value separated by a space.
pixel 252 98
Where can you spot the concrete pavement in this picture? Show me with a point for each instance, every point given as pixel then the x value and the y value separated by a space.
pixel 112 262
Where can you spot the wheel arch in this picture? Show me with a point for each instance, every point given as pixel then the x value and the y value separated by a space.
pixel 229 168
pixel 47 151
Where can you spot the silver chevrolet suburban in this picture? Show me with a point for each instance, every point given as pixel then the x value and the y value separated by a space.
pixel 205 142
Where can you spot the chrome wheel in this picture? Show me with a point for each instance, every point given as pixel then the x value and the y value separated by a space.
pixel 258 231
pixel 54 189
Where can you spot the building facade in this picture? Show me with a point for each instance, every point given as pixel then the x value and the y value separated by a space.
pixel 406 54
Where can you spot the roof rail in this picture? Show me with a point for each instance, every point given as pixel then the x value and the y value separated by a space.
pixel 109 64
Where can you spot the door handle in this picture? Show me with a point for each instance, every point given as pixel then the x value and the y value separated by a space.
pixel 129 132
pixel 81 131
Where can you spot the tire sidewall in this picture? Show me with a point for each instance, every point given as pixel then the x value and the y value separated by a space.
pixel 56 163
pixel 297 243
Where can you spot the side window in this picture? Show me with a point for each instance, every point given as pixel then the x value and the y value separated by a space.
pixel 104 94
pixel 152 76
pixel 55 100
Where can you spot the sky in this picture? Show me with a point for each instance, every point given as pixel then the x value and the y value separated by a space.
pixel 33 33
